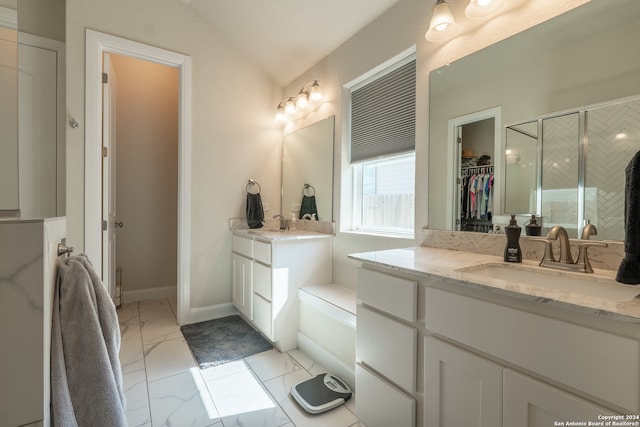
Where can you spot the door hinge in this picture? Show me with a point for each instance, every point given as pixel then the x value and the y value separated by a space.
pixel 104 151
pixel 459 140
pixel 105 78
pixel 104 225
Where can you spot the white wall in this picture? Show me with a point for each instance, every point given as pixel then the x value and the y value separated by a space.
pixel 397 30
pixel 234 137
pixel 146 152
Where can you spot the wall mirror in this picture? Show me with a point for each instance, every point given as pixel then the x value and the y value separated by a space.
pixel 307 158
pixel 32 165
pixel 581 58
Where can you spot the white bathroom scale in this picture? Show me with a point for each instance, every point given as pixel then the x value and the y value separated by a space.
pixel 321 393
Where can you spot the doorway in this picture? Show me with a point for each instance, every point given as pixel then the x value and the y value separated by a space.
pixel 97 45
pixel 144 177
pixel 474 144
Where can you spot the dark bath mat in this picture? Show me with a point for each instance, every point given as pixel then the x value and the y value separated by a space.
pixel 219 341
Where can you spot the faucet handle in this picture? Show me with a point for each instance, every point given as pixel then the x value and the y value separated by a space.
pixel 583 257
pixel 548 249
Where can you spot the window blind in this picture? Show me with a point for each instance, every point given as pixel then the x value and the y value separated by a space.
pixel 383 117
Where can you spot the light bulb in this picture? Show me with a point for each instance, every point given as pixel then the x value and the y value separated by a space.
pixel 279 115
pixel 289 107
pixel 315 93
pixel 302 101
pixel 442 25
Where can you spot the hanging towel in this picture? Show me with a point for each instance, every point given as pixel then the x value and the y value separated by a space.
pixel 308 206
pixel 86 377
pixel 255 212
pixel 629 270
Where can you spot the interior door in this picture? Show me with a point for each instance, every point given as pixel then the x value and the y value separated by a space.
pixel 109 176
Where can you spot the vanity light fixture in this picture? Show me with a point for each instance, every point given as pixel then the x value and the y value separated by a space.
pixel 481 9
pixel 308 98
pixel 442 26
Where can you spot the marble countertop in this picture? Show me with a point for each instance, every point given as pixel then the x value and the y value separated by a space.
pixel 447 264
pixel 277 234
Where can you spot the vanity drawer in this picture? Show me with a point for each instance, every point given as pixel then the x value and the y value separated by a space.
pixel 388 346
pixel 380 404
pixel 394 295
pixel 262 315
pixel 262 280
pixel 242 246
pixel 262 252
pixel 540 344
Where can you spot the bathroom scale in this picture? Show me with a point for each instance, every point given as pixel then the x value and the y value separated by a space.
pixel 321 393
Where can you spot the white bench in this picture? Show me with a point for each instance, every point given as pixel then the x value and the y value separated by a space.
pixel 327 330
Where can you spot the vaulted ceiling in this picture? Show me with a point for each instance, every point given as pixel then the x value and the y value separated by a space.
pixel 286 37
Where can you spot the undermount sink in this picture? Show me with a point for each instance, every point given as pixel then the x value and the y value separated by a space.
pixel 589 285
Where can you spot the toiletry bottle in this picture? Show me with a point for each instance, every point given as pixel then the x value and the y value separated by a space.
pixel 292 222
pixel 512 252
pixel 533 228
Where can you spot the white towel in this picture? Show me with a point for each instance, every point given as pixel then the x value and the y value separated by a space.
pixel 86 377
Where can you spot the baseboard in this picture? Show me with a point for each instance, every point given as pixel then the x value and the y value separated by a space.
pixel 201 314
pixel 149 293
pixel 327 360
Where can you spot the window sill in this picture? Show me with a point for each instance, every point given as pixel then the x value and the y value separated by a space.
pixel 381 233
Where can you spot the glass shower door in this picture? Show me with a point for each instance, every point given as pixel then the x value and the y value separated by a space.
pixel 560 172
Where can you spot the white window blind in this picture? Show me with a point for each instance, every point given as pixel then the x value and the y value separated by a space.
pixel 383 119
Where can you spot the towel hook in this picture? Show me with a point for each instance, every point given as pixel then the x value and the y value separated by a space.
pixel 64 249
pixel 307 187
pixel 251 184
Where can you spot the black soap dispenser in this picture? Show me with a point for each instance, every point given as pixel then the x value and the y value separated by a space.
pixel 512 252
pixel 533 228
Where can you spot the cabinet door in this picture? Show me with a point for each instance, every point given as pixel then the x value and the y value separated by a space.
pixel 531 403
pixel 242 285
pixel 461 388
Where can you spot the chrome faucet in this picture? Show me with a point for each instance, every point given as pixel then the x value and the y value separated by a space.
pixel 566 260
pixel 283 222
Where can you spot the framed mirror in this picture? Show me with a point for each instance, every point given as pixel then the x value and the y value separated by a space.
pixel 583 57
pixel 307 169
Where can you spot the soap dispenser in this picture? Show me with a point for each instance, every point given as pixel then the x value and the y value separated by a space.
pixel 512 252
pixel 292 222
pixel 533 228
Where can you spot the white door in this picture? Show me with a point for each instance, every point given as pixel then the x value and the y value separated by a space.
pixel 109 176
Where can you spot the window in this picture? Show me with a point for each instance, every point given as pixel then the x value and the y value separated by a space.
pixel 383 151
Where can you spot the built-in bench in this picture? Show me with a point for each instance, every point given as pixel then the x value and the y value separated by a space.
pixel 328 328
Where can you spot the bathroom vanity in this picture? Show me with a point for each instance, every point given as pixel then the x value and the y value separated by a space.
pixel 269 266
pixel 443 341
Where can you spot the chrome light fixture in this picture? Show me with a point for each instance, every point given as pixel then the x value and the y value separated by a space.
pixel 482 9
pixel 442 26
pixel 309 97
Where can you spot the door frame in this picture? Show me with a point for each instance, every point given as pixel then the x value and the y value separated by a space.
pixel 96 44
pixel 453 159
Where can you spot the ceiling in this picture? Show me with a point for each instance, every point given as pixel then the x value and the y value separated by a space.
pixel 286 37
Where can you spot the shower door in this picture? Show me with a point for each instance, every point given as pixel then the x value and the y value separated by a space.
pixel 584 156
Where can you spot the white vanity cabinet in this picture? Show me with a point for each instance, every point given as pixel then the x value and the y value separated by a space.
pixel 267 273
pixel 433 352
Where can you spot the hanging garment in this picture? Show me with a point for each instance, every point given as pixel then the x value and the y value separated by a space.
pixel 255 211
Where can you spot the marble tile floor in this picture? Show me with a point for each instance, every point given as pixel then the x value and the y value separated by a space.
pixel 164 386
